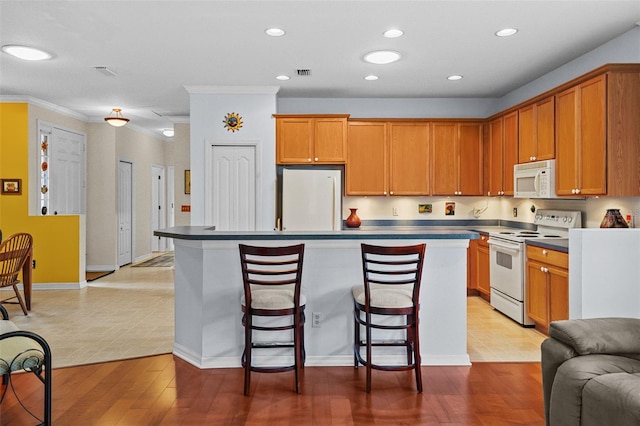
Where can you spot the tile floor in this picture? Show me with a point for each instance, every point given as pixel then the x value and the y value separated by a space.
pixel 130 314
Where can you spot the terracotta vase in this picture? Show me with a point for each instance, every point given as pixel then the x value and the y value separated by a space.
pixel 353 221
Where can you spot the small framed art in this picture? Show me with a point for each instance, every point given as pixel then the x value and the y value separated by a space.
pixel 187 181
pixel 11 186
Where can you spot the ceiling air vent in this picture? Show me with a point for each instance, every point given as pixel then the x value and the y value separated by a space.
pixel 303 73
pixel 106 71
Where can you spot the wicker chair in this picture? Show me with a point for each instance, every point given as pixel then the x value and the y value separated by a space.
pixel 14 252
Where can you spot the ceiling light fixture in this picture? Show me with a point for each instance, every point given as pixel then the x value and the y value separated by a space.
pixel 371 77
pixel 393 33
pixel 116 119
pixel 282 77
pixel 26 53
pixel 168 133
pixel 506 32
pixel 382 57
pixel 275 32
pixel 454 77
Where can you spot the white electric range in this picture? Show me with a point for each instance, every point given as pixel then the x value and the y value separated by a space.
pixel 508 256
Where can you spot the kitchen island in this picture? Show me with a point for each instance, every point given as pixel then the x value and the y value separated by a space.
pixel 208 288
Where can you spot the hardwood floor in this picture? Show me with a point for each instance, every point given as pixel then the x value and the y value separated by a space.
pixel 164 390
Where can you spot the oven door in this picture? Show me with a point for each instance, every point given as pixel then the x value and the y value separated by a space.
pixel 506 268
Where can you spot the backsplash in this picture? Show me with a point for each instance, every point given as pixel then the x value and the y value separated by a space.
pixel 593 209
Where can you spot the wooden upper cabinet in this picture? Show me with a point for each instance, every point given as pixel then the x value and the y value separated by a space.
pixel 536 131
pixel 502 154
pixel 581 139
pixel 367 164
pixel 456 158
pixel 409 158
pixel 387 158
pixel 307 139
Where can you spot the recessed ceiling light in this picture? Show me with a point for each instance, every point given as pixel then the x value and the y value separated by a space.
pixel 382 57
pixel 454 77
pixel 282 77
pixel 506 32
pixel 26 53
pixel 275 32
pixel 168 133
pixel 371 77
pixel 393 33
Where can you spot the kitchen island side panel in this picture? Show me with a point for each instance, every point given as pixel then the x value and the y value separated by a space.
pixel 211 283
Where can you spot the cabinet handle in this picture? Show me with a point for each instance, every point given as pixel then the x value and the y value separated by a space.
pixel 316 158
pixel 545 252
pixel 543 269
pixel 390 192
pixel 309 160
pixel 577 191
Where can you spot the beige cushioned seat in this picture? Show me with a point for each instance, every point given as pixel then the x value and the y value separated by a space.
pixel 398 296
pixel 280 297
pixel 18 353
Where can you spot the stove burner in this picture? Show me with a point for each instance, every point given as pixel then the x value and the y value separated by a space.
pixel 552 236
pixel 507 232
pixel 528 233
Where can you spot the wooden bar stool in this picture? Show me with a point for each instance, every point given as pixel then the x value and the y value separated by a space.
pixel 272 278
pixel 392 277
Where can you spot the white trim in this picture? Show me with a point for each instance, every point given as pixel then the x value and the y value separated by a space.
pixel 43 104
pixel 233 90
pixel 101 268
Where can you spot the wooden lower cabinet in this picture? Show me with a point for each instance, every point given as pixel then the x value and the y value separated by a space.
pixel 478 267
pixel 547 286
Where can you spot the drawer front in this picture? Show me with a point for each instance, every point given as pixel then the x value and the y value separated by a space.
pixel 552 257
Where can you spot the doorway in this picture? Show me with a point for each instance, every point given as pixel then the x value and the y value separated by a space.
pixel 158 207
pixel 125 213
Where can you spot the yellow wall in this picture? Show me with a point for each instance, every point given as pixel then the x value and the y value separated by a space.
pixel 56 238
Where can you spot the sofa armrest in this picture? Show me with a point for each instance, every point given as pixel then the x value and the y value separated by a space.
pixel 554 353
pixel 599 335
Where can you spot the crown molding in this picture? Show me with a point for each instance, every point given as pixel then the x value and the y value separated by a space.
pixel 43 104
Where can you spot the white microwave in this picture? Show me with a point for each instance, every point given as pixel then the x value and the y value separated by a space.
pixel 535 180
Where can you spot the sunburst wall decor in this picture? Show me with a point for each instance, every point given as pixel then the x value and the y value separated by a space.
pixel 232 121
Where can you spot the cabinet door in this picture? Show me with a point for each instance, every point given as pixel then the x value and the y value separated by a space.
pixel 545 129
pixel 558 293
pixel 484 285
pixel 329 143
pixel 526 134
pixel 409 158
pixel 470 152
pixel 567 146
pixel 509 151
pixel 366 169
pixel 294 140
pixel 593 137
pixel 495 157
pixel 445 163
pixel 537 293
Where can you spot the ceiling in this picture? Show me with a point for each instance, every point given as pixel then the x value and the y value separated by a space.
pixel 156 48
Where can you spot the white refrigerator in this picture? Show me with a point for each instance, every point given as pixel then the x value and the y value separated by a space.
pixel 311 200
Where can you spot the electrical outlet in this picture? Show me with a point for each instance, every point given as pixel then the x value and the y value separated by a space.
pixel 316 319
pixel 34 264
pixel 394 211
pixel 515 212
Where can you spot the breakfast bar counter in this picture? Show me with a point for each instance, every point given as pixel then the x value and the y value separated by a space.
pixel 208 288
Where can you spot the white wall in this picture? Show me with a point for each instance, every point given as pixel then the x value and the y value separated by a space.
pixel 209 106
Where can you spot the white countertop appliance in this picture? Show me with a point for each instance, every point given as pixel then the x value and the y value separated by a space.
pixel 507 258
pixel 535 180
pixel 311 200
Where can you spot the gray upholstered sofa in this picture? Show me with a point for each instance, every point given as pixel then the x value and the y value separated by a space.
pixel 591 372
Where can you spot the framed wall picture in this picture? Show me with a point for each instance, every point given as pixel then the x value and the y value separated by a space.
pixel 11 186
pixel 187 181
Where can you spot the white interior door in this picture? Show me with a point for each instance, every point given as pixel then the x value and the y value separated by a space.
pixel 158 207
pixel 232 184
pixel 171 213
pixel 125 213
pixel 67 172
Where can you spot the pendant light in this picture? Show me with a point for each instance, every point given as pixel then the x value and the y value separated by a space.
pixel 116 119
